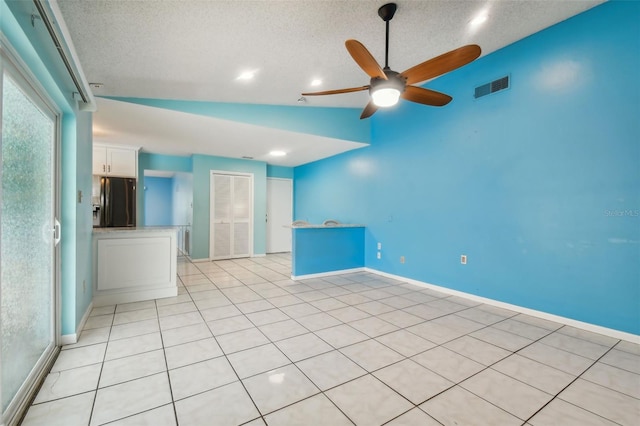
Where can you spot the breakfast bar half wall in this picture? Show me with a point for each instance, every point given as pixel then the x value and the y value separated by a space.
pixel 324 249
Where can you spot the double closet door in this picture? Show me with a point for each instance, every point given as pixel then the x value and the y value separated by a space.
pixel 231 213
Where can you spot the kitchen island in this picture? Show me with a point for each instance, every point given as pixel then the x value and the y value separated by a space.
pixel 133 264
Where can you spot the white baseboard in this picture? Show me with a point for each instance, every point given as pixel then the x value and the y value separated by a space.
pixel 199 260
pixel 326 274
pixel 617 334
pixel 70 339
pixel 259 255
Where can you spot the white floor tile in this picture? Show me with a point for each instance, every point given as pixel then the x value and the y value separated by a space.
pixel 278 388
pixel 367 401
pixel 415 417
pixel 200 377
pixel 126 399
pixel 66 383
pixel 511 395
pixel 133 345
pixel 226 405
pixel 413 381
pixel 303 346
pixel 74 410
pixel 458 406
pixel 161 416
pixel 180 335
pixel 371 355
pixel 612 405
pixel 192 352
pixel 330 369
pixel 559 412
pixel 257 360
pixel 241 340
pixel 132 367
pixel 318 407
pixel 80 357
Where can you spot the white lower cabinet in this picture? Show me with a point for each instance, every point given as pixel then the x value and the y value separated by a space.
pixel 134 265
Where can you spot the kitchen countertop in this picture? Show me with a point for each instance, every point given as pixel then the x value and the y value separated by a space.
pixel 135 229
pixel 341 225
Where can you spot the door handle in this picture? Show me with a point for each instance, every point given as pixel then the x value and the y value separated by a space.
pixel 57 232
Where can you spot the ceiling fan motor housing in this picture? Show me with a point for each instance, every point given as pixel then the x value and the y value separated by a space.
pixel 394 81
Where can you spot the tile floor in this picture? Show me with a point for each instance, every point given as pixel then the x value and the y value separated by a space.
pixel 243 344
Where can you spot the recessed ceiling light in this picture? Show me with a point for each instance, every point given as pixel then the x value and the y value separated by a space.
pixel 277 153
pixel 316 82
pixel 246 75
pixel 479 19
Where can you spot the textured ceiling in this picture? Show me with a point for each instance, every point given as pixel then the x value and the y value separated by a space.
pixel 195 49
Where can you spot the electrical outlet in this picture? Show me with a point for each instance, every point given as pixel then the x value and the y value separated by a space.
pixel 379 246
pixel 379 255
pixel 401 259
pixel 463 259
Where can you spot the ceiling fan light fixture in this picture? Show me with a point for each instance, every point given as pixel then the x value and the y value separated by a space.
pixel 386 93
pixel 385 97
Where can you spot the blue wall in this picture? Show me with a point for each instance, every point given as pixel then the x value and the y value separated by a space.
pixel 539 185
pixel 158 201
pixel 279 172
pixel 147 161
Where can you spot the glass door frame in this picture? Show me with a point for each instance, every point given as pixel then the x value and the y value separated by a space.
pixel 12 65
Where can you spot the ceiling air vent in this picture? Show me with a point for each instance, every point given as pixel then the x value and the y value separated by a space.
pixel 494 86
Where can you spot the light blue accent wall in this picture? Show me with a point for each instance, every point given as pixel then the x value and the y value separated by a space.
pixel 84 214
pixel 147 161
pixel 158 201
pixel 319 250
pixel 75 161
pixel 279 172
pixel 202 167
pixel 340 123
pixel 538 185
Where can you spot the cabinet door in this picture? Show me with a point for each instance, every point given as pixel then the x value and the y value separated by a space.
pixel 99 160
pixel 122 162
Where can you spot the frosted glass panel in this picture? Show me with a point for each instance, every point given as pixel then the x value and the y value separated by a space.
pixel 27 263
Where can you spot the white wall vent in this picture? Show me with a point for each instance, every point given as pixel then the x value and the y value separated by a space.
pixel 489 88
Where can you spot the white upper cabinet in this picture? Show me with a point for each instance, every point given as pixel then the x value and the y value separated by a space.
pixel 115 161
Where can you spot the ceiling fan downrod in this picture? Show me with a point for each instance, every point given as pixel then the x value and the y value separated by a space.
pixel 386 12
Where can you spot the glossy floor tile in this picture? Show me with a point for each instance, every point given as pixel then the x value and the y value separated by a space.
pixel 243 344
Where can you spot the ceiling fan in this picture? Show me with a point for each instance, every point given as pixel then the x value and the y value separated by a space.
pixel 387 86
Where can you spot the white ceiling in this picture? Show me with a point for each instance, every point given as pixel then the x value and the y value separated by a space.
pixel 195 49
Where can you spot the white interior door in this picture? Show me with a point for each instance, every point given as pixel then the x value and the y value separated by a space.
pixel 279 214
pixel 231 224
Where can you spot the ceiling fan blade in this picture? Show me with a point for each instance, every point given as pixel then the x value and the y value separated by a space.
pixel 369 110
pixel 367 62
pixel 425 96
pixel 337 91
pixel 442 64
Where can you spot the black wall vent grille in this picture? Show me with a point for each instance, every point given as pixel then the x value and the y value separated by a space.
pixel 494 86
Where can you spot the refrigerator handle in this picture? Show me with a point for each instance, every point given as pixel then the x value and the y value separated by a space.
pixel 107 203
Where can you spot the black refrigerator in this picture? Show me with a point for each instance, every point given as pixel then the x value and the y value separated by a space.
pixel 117 202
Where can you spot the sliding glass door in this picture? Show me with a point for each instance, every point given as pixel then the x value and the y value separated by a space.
pixel 28 236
